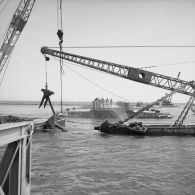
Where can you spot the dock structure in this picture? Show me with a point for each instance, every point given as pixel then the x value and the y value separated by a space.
pixel 15 164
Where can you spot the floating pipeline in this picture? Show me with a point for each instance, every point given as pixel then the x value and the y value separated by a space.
pixel 137 128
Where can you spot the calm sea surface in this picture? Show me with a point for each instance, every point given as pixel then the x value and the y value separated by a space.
pixel 83 161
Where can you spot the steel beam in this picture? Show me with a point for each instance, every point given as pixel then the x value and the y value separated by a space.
pixel 127 72
pixel 15 28
pixel 15 164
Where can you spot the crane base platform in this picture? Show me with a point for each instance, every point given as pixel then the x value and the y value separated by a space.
pixel 146 130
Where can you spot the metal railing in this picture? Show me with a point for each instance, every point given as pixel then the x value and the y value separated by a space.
pixel 15 165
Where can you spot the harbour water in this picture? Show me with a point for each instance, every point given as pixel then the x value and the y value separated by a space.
pixel 83 161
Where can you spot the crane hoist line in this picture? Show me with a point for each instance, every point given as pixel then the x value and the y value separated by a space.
pixel 127 72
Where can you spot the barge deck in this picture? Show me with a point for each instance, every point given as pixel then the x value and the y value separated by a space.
pixel 146 130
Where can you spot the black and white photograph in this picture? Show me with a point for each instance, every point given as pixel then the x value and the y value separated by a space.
pixel 97 97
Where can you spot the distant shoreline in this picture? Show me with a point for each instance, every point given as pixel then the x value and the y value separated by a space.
pixel 69 103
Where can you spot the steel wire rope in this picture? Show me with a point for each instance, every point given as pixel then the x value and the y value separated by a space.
pixel 61 74
pixel 71 121
pixel 92 82
pixel 5 31
pixel 1 42
pixel 46 85
pixel 5 69
pixel 1 1
pixel 3 36
pixel 170 64
pixel 60 36
pixel 3 8
pixel 61 26
pixel 125 46
pixel 58 15
pixel 153 66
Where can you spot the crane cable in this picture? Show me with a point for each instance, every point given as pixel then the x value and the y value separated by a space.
pixel 59 15
pixel 60 36
pixel 96 83
pixel 92 82
pixel 125 46
pixel 3 8
pixel 1 1
pixel 154 66
pixel 151 66
pixel 5 69
pixel 46 59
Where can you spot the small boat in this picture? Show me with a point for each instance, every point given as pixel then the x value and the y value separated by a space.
pixel 151 113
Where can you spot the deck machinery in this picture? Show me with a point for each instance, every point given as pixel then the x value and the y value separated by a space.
pixel 175 85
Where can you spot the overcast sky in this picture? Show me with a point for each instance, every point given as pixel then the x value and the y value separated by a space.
pixel 100 22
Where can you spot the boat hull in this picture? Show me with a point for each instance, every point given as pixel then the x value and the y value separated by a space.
pixel 148 130
pixel 94 114
pixel 116 113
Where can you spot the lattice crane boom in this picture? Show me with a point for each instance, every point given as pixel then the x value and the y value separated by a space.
pixel 15 28
pixel 134 74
